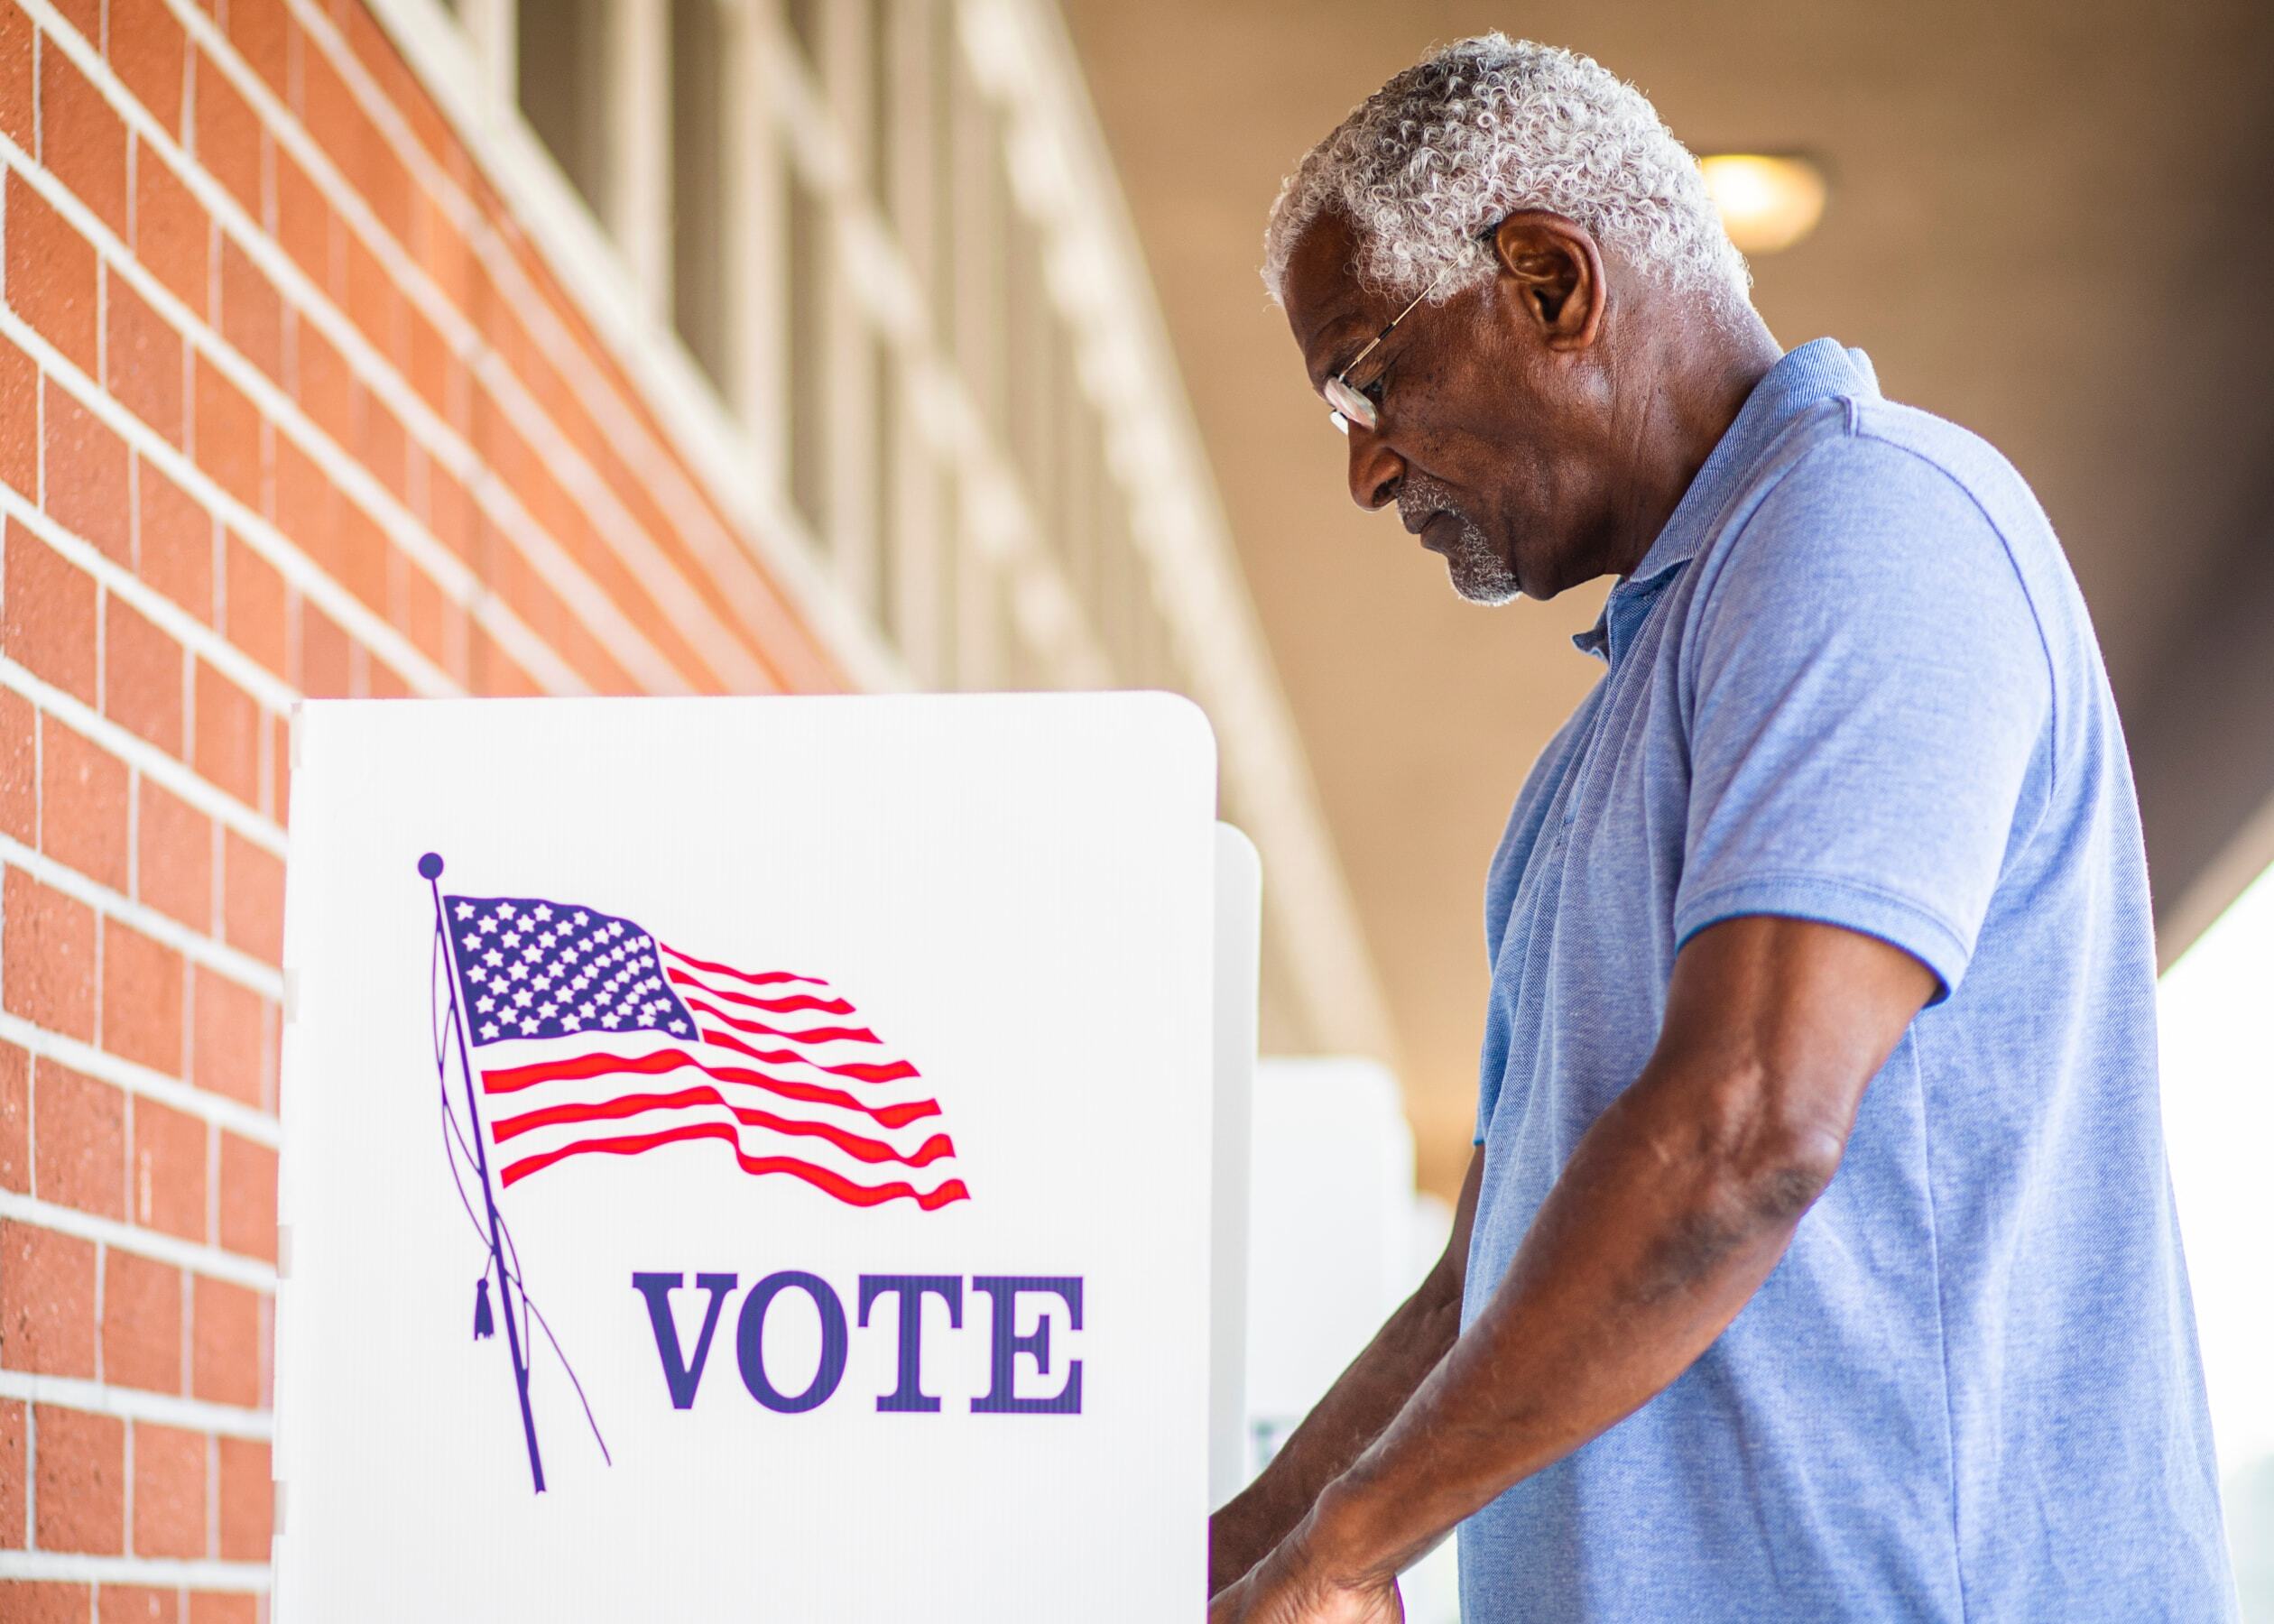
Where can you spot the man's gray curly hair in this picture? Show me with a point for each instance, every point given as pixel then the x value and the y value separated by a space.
pixel 1485 126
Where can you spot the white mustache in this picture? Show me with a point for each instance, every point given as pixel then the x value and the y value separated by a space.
pixel 1421 496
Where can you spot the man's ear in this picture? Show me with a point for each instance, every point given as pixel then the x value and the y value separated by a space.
pixel 1555 271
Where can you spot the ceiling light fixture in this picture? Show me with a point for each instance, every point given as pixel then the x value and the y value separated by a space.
pixel 1768 202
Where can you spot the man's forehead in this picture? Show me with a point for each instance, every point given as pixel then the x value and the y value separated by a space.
pixel 1323 296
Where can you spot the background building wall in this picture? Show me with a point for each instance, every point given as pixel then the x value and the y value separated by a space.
pixel 288 406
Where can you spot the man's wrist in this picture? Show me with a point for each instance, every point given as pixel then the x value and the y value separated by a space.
pixel 1337 1541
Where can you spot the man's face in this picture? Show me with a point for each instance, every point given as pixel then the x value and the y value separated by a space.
pixel 1488 438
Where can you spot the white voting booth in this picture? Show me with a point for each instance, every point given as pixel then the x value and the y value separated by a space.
pixel 1336 1241
pixel 753 1160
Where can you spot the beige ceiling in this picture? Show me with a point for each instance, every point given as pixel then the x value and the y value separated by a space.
pixel 2048 221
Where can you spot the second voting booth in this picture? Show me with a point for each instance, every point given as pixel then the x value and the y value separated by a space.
pixel 755 1159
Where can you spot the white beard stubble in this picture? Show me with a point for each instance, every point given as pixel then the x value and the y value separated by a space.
pixel 1478 574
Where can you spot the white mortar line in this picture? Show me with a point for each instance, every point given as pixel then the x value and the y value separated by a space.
pixel 271 692
pixel 355 482
pixel 138 752
pixel 680 603
pixel 357 619
pixel 209 1260
pixel 136 1404
pixel 238 965
pixel 160 1573
pixel 245 1121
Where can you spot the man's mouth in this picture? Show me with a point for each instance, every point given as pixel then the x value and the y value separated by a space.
pixel 1433 532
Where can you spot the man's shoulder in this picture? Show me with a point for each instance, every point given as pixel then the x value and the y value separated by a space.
pixel 1859 488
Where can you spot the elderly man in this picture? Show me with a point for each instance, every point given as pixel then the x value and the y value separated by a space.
pixel 1817 1258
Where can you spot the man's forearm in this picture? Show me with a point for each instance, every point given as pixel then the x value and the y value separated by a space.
pixel 1362 1401
pixel 1645 1249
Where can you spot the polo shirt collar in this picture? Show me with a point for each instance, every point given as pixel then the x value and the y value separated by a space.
pixel 1800 378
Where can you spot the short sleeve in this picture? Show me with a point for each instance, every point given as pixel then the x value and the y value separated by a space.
pixel 1869 703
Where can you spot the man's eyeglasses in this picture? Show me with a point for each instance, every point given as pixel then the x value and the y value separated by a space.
pixel 1347 403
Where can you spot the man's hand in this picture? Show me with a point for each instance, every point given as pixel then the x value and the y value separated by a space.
pixel 1288 1588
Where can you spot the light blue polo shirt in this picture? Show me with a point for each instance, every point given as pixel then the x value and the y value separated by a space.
pixel 1853 682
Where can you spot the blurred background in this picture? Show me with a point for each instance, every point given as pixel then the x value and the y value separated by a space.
pixel 564 346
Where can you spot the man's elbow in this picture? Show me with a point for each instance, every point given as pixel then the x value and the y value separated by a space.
pixel 1767 1161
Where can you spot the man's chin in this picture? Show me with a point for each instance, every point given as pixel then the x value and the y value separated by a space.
pixel 1479 576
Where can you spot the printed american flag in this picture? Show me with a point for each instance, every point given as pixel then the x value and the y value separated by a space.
pixel 591 1037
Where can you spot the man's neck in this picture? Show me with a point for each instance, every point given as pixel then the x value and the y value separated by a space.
pixel 1685 392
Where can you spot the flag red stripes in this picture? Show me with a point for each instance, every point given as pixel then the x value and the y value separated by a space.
pixel 638 1045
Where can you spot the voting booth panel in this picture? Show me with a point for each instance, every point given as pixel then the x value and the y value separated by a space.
pixel 747 1160
pixel 1337 1239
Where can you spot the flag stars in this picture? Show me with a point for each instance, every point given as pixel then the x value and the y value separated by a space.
pixel 493 958
pixel 465 908
pixel 504 910
pixel 489 924
pixel 544 912
pixel 489 1030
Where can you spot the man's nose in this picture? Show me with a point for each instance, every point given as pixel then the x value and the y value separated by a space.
pixel 1375 469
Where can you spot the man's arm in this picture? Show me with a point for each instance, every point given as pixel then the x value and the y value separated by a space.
pixel 1355 1409
pixel 1673 1209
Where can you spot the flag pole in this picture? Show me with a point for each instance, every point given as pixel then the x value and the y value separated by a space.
pixel 431 870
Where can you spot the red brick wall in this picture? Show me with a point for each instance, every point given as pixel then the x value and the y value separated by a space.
pixel 288 406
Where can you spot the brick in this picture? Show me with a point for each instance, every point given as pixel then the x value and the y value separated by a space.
pixel 349 138
pixel 136 1603
pixel 47 616
pixel 304 501
pixel 252 899
pixel 257 600
pixel 47 1301
pixel 15 77
pixel 227 433
pixel 173 856
pixel 19 768
pixel 141 999
pixel 433 368
pixel 170 1491
pixel 25 1602
pixel 248 1198
pixel 78 1140
pixel 173 236
pixel 78 1480
pixel 142 360
pixel 327 388
pixel 142 676
pixel 228 135
pixel 51 274
pixel 383 447
pixel 224 1349
pixel 148 51
pixel 174 540
pixel 87 490
pixel 252 315
pixel 142 1323
pixel 169 1158
pixel 247 1503
pixel 263 34
pixel 359 557
pixel 19 418
pixel 305 225
pixel 15 1120
pixel 82 142
pixel 281 777
pixel 374 303
pixel 47 957
pixel 228 735
pixel 83 805
pixel 228 1050
pixel 223 1607
pixel 324 656
pixel 14 1418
